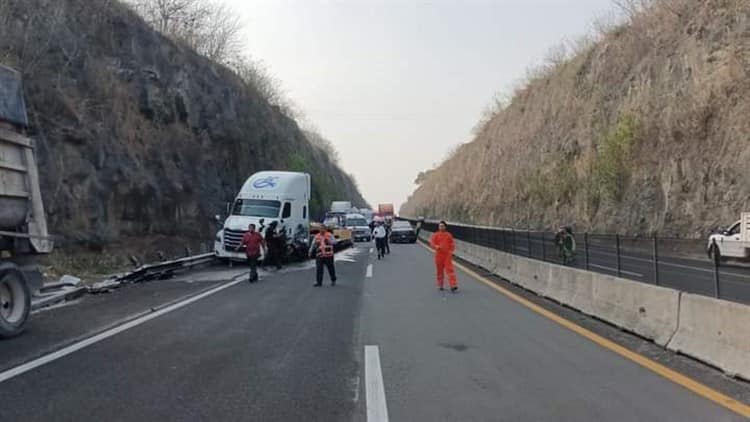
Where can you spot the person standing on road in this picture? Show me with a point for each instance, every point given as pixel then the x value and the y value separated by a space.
pixel 388 237
pixel 253 243
pixel 379 234
pixel 272 241
pixel 322 250
pixel 443 243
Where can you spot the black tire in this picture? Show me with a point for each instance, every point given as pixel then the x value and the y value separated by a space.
pixel 15 301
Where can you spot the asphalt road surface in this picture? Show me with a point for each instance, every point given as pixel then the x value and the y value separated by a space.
pixel 382 344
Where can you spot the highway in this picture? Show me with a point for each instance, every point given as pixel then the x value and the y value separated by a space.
pixel 636 263
pixel 383 344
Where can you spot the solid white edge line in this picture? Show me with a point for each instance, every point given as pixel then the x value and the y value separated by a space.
pixel 369 271
pixel 28 366
pixel 615 270
pixel 377 410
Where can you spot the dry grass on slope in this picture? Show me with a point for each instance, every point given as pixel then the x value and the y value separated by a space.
pixel 644 130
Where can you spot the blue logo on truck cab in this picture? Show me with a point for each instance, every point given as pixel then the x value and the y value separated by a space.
pixel 266 182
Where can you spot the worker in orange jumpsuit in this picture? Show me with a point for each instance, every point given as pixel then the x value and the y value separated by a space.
pixel 443 243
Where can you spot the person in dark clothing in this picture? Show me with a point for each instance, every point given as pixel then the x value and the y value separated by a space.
pixel 253 243
pixel 273 255
pixel 322 250
pixel 419 226
pixel 566 244
pixel 387 238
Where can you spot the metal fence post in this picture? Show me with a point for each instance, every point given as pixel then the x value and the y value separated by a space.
pixel 656 260
pixel 586 248
pixel 619 262
pixel 528 242
pixel 717 260
pixel 544 248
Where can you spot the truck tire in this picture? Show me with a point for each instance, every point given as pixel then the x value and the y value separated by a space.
pixel 15 301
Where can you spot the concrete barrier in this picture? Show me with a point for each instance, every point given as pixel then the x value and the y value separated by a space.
pixel 714 331
pixel 463 250
pixel 531 274
pixel 483 256
pixel 562 284
pixel 504 264
pixel 647 310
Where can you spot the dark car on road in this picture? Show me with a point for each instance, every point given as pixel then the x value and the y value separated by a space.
pixel 403 232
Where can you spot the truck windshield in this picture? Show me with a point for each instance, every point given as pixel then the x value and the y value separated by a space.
pixel 353 222
pixel 256 208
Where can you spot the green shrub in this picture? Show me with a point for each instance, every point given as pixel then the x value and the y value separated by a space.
pixel 611 168
pixel 298 162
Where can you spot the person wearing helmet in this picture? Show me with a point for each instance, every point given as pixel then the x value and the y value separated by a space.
pixel 322 250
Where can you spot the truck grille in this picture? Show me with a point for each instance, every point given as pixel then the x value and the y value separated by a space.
pixel 232 238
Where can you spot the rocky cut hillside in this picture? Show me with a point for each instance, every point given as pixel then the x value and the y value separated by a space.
pixel 139 136
pixel 644 130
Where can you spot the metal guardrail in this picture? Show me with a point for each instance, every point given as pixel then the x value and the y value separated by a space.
pixel 164 269
pixel 681 264
pixel 54 293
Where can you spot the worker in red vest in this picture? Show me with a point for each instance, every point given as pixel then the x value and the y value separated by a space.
pixel 322 250
pixel 443 243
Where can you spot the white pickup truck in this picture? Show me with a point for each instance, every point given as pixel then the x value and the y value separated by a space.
pixel 732 243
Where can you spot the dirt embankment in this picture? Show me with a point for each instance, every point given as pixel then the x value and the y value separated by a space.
pixel 644 130
pixel 140 138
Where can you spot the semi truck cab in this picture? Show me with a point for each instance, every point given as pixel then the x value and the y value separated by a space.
pixel 267 197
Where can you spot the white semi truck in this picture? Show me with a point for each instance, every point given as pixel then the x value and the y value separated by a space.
pixel 731 243
pixel 266 197
pixel 23 227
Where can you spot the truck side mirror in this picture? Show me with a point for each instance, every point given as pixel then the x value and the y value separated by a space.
pixel 217 217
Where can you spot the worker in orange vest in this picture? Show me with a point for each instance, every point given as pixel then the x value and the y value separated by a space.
pixel 443 243
pixel 322 250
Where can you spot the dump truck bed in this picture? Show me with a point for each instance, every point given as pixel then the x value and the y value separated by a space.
pixel 21 208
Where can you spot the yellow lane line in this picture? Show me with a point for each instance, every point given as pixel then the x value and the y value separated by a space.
pixel 676 377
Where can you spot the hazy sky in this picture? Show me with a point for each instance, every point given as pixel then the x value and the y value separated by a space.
pixel 396 84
